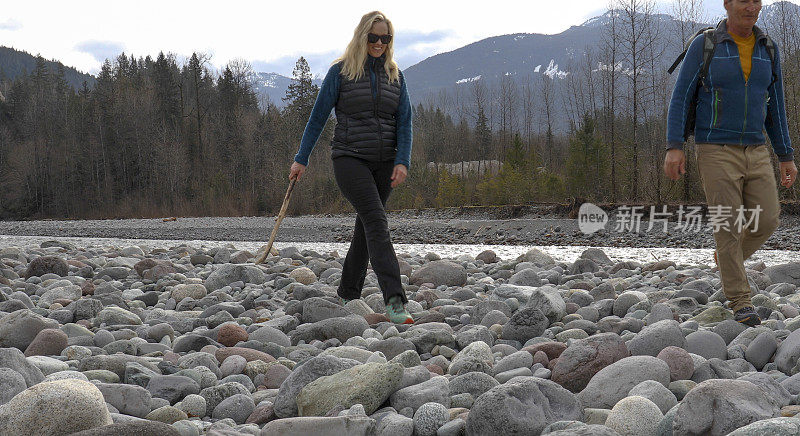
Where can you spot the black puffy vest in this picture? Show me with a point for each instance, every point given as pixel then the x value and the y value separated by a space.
pixel 365 124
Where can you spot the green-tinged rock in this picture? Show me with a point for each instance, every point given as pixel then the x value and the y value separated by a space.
pixel 713 315
pixel 369 385
pixel 167 414
pixel 102 375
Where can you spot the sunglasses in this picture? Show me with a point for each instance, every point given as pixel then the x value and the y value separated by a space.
pixel 373 38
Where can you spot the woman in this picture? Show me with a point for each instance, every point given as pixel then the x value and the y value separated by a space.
pixel 371 150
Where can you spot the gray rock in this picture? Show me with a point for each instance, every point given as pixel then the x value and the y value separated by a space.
pixel 634 415
pixel 115 363
pixel 316 309
pixel 526 323
pixel 718 407
pixel 369 385
pixel 788 352
pixel 471 333
pixel 519 359
pixel 11 383
pixel 414 376
pixel 526 277
pixel 549 301
pixel 654 338
pixel 771 388
pixel 113 315
pixel 172 388
pixel 267 334
pixel 440 272
pixel 128 399
pixel 476 356
pixel 435 390
pixel 57 407
pixel 214 395
pixel 707 344
pixel 761 350
pixel 13 359
pixel 613 382
pixel 351 425
pixel 473 383
pixel 523 405
pixel 19 328
pixel 655 392
pixel 229 273
pixel 534 255
pixel 285 404
pixel 429 417
pixel 237 407
pixel 133 427
pixel 770 427
pixel 785 273
pixel 340 328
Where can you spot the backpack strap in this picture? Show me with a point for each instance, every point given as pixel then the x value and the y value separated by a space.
pixel 680 58
pixel 770 45
pixel 709 44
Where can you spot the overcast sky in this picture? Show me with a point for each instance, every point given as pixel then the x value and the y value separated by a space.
pixel 271 35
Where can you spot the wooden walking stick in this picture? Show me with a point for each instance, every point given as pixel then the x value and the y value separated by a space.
pixel 281 214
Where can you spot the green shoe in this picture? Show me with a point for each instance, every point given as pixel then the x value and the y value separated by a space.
pixel 344 301
pixel 396 311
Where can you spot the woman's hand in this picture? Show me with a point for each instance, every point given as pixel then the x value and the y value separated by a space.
pixel 296 171
pixel 399 175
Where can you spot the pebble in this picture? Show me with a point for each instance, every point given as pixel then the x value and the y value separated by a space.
pixel 200 341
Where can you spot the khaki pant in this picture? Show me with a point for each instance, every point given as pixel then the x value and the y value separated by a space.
pixel 735 176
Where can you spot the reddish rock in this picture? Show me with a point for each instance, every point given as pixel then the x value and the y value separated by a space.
pixel 585 358
pixel 374 318
pixel 261 415
pixel 144 265
pixel 275 375
pixel 159 271
pixel 430 317
pixel 248 353
pixel 427 296
pixel 48 342
pixel 171 357
pixel 552 349
pixel 87 288
pixel 572 307
pixel 681 365
pixel 47 265
pixel 231 334
pixel 436 369
pixel 84 322
pixel 541 357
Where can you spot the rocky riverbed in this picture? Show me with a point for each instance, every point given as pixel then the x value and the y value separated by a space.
pixel 490 226
pixel 188 340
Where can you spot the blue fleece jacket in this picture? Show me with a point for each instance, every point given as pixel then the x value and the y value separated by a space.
pixel 731 110
pixel 326 100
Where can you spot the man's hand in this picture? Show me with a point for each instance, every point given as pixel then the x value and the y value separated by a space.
pixel 788 173
pixel 675 164
pixel 296 171
pixel 400 172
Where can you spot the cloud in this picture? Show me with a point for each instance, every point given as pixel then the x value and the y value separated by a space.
pixel 413 37
pixel 319 63
pixel 101 50
pixel 10 24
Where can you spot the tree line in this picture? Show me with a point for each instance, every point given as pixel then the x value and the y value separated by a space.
pixel 155 137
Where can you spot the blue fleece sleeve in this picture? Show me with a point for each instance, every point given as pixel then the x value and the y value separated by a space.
pixel 326 100
pixel 404 128
pixel 776 125
pixel 682 94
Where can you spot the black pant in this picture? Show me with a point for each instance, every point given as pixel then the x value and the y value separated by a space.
pixel 367 185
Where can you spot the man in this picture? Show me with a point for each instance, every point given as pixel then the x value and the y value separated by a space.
pixel 740 97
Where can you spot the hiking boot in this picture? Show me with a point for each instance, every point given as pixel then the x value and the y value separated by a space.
pixel 344 301
pixel 396 311
pixel 747 316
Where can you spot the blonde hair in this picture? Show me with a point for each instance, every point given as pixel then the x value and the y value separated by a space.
pixel 355 55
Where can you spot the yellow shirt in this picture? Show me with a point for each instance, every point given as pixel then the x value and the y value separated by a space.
pixel 746 46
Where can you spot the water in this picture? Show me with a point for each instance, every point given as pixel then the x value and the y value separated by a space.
pixel 687 256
